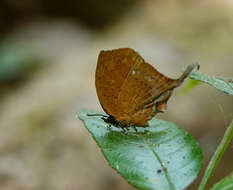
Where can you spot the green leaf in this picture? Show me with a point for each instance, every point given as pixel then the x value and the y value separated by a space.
pixel 225 184
pixel 191 84
pixel 159 157
pixel 219 83
pixel 217 156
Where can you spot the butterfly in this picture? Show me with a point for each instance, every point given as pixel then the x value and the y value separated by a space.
pixel 130 90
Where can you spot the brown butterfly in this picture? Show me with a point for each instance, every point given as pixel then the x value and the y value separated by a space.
pixel 130 90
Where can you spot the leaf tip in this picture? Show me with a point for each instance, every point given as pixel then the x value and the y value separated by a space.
pixel 80 114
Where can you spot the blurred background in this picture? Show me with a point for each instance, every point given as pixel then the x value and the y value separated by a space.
pixel 48 55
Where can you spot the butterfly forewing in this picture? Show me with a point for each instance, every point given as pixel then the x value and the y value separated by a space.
pixel 111 72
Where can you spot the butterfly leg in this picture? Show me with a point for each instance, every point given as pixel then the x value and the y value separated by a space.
pixel 135 128
pixel 127 128
pixel 124 129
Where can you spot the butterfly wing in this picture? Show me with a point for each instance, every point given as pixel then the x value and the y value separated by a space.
pixel 131 90
pixel 112 70
pixel 145 93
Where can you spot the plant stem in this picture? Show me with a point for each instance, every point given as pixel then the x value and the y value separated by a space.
pixel 217 156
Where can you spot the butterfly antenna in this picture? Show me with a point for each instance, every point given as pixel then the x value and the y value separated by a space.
pixel 97 115
pixel 187 71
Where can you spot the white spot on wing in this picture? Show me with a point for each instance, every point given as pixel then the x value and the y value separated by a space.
pixel 133 72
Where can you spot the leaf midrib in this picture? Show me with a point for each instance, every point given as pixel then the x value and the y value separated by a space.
pixel 150 146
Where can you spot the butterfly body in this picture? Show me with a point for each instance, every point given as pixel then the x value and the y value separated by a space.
pixel 130 90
